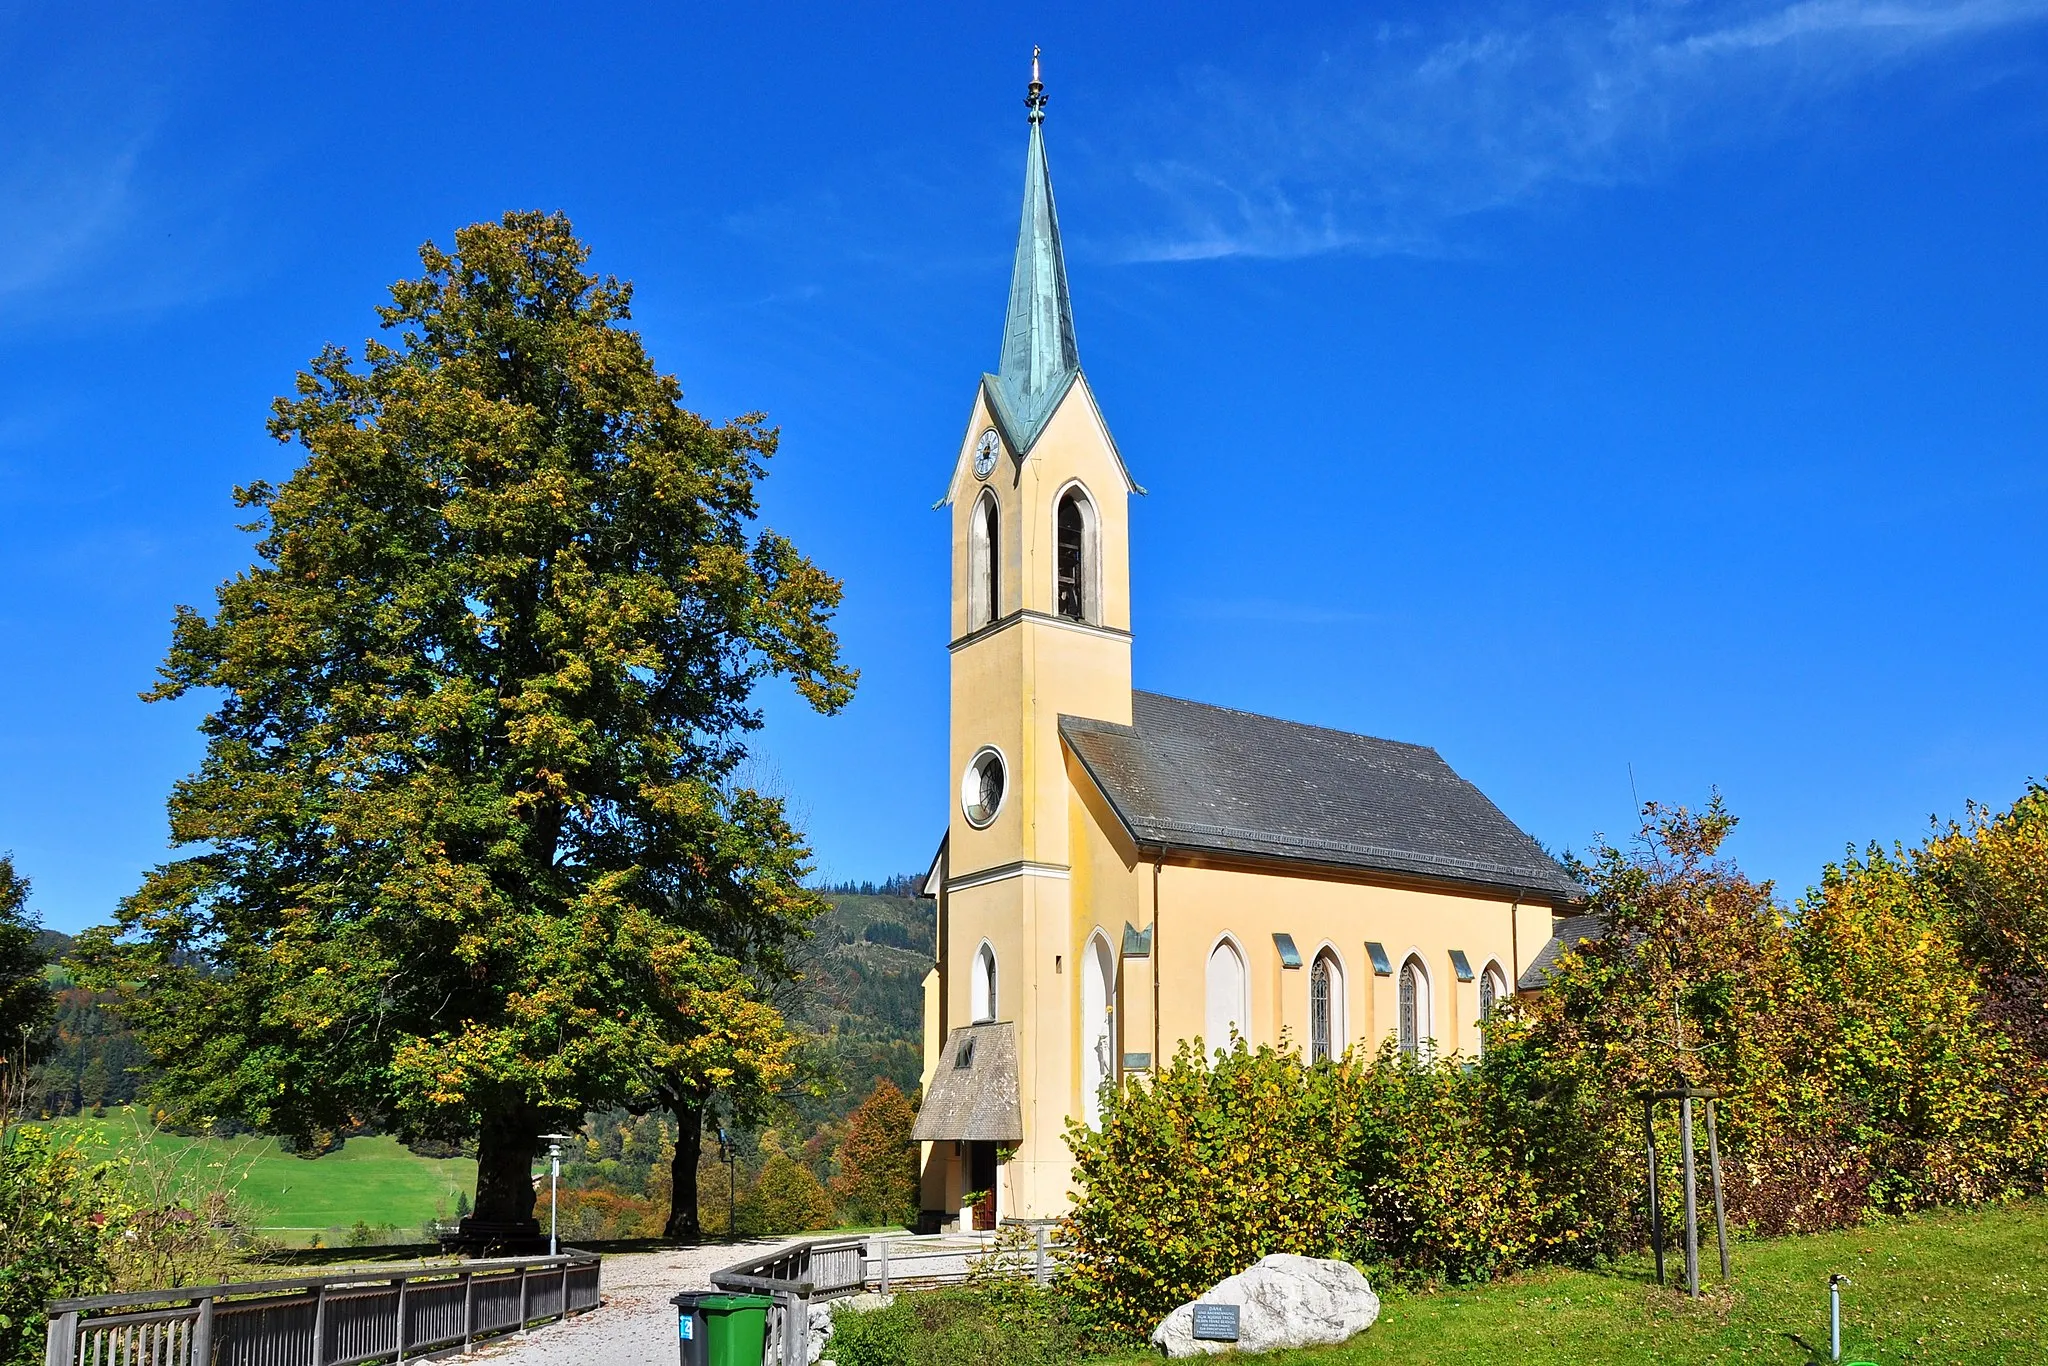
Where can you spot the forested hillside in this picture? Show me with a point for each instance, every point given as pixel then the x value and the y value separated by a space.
pixel 863 992
pixel 94 1060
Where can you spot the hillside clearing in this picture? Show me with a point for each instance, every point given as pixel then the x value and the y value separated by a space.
pixel 374 1180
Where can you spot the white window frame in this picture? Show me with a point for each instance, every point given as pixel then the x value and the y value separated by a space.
pixel 1241 1017
pixel 984 554
pixel 983 985
pixel 1098 1053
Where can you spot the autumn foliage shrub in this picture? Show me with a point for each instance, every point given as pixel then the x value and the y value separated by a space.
pixel 877 1161
pixel 785 1198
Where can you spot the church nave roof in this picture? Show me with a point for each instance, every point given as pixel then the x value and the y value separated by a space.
pixel 1186 775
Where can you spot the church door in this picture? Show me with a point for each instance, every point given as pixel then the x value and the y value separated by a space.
pixel 981 1176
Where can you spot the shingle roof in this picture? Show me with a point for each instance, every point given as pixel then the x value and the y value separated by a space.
pixel 973 1094
pixel 1190 776
pixel 1568 933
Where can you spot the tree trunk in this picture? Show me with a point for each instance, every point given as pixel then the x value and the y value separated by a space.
pixel 504 1181
pixel 682 1200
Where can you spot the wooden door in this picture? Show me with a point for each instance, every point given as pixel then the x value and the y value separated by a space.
pixel 981 1176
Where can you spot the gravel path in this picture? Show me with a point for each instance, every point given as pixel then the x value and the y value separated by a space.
pixel 636 1324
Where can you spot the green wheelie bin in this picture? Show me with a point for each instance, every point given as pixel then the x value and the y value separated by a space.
pixel 717 1329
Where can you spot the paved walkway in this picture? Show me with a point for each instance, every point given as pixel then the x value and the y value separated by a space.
pixel 636 1324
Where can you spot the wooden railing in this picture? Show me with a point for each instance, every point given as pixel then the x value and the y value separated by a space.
pixel 338 1320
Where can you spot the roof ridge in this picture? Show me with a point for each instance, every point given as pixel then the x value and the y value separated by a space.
pixel 1285 721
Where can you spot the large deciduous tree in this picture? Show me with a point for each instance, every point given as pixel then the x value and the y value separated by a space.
pixel 466 851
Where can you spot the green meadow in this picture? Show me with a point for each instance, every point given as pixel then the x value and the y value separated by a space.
pixel 374 1180
pixel 1950 1286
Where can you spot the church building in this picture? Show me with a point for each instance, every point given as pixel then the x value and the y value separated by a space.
pixel 1123 871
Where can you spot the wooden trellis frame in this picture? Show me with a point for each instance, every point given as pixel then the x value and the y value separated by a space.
pixel 1685 1095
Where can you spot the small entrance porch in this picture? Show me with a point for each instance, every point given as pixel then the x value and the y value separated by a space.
pixel 969 1117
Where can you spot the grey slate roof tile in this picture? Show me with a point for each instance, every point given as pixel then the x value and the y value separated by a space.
pixel 1191 776
pixel 1566 933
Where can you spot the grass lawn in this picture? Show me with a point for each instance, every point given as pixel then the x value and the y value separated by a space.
pixel 1952 1286
pixel 372 1179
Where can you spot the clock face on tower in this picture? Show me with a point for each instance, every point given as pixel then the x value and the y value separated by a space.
pixel 985 452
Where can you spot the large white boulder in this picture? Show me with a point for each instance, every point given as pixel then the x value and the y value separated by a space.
pixel 1283 1301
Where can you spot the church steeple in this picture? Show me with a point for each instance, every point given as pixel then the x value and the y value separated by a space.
pixel 1040 359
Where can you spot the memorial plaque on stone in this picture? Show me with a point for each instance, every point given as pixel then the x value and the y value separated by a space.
pixel 1216 1323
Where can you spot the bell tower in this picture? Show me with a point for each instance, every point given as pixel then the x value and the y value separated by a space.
pixel 1040 627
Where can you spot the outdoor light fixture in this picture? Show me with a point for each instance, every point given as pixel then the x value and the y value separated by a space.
pixel 730 1157
pixel 555 1142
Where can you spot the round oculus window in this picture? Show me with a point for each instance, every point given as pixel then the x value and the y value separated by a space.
pixel 981 788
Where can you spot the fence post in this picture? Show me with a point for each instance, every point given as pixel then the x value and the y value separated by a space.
pixel 318 1355
pixel 1656 1204
pixel 522 1297
pixel 1041 1271
pixel 1692 1204
pixel 468 1309
pixel 60 1343
pixel 400 1282
pixel 565 1292
pixel 202 1336
pixel 883 1244
pixel 1720 1211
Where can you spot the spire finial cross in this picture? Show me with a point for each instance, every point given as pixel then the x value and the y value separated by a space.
pixel 1034 96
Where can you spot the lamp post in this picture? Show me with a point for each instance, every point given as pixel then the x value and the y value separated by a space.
pixel 555 1142
pixel 729 1157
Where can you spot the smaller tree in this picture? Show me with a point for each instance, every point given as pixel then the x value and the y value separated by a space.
pixel 25 1000
pixel 877 1161
pixel 786 1198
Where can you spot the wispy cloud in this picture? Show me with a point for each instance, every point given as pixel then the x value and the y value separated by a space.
pixel 92 222
pixel 1391 136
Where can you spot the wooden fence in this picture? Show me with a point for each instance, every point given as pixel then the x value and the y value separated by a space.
pixel 337 1320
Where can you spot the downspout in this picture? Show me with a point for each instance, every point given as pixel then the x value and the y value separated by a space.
pixel 1515 941
pixel 1158 858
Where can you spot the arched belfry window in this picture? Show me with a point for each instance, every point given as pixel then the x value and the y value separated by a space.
pixel 1226 997
pixel 982 990
pixel 1414 1006
pixel 1075 557
pixel 1325 1008
pixel 984 563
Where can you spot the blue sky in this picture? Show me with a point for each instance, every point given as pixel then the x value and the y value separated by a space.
pixel 1598 394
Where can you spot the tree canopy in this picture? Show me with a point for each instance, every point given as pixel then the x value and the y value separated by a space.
pixel 468 801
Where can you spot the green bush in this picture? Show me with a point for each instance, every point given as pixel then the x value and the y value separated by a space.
pixel 1200 1173
pixel 786 1198
pixel 1004 1323
pixel 58 1212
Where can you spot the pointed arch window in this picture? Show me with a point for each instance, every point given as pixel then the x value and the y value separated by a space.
pixel 1098 1027
pixel 1226 997
pixel 1414 1006
pixel 1493 989
pixel 984 563
pixel 1075 557
pixel 1325 1008
pixel 982 990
